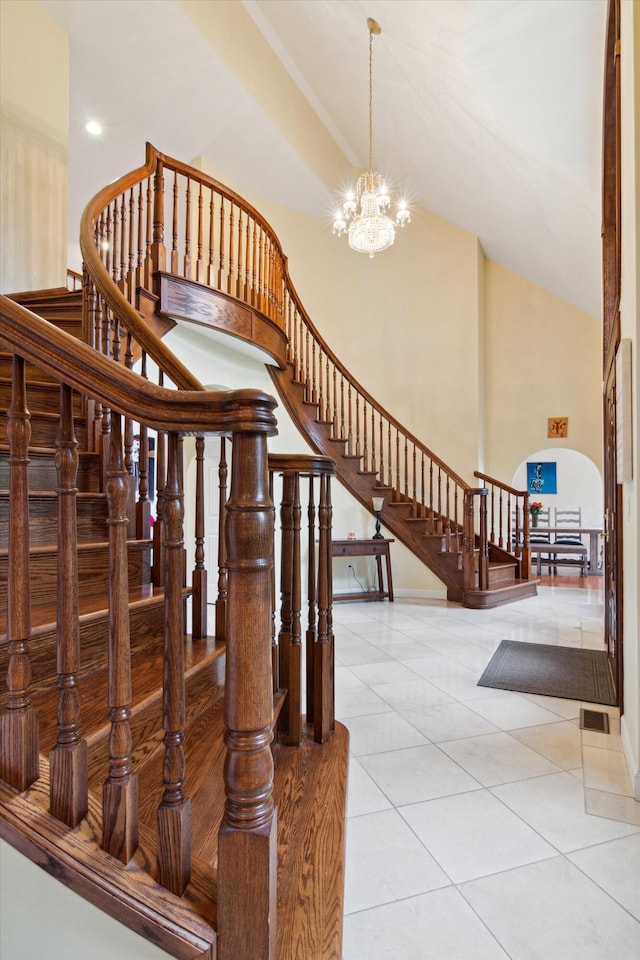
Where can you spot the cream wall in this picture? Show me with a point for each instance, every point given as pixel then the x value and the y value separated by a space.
pixel 34 97
pixel 543 359
pixel 213 362
pixel 630 327
pixel 406 323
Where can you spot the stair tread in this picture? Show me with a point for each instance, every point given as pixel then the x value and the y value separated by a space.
pixel 146 681
pixel 44 616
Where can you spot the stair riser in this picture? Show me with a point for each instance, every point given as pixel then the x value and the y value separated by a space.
pixel 93 573
pixel 45 431
pixel 43 522
pixel 43 474
pixel 499 576
pixel 146 626
pixel 43 397
pixel 33 374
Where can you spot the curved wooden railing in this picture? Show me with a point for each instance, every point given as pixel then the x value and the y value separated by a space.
pixel 169 217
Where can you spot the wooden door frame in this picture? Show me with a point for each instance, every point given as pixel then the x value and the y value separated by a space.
pixel 611 287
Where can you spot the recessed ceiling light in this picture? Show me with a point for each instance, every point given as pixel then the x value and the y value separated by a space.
pixel 93 127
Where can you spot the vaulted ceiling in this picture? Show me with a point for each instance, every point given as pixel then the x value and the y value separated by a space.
pixel 486 112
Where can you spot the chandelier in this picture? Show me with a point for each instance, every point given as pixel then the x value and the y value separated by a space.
pixel 363 216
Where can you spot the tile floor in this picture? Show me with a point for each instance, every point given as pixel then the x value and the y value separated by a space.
pixel 481 823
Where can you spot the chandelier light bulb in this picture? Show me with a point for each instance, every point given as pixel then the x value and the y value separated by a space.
pixel 363 211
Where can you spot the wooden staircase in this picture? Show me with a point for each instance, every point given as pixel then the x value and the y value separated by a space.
pixel 432 528
pixel 184 247
pixel 67 693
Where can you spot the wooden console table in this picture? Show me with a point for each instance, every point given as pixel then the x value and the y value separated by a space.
pixel 367 548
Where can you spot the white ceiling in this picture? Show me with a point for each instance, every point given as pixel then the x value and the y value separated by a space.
pixel 487 112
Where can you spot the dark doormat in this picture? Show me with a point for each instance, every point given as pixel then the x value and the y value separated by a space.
pixel 567 672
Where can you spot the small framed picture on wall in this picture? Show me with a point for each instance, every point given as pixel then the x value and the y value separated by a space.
pixel 542 477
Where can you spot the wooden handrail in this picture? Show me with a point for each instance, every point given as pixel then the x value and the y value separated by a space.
pixel 167 216
pixel 189 412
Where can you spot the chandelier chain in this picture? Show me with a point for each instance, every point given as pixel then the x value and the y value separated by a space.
pixel 370 100
pixel 363 216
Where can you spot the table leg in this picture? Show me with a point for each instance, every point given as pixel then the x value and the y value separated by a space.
pixel 389 580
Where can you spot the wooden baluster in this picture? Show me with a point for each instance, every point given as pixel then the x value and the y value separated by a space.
pixel 221 242
pixel 247 841
pixel 248 293
pixel 349 422
pixel 357 424
pixel 148 262
pixel 294 698
pixel 199 580
pixel 343 435
pixel 68 790
pixel 324 672
pixel 254 265
pixel 311 634
pixel 120 790
pixel 365 451
pixel 124 233
pixel 174 226
pixel 239 263
pixel 456 525
pixel 158 249
pixel 131 248
pixel 448 512
pixel 431 502
pixel 414 480
pixel 406 469
pixel 468 543
pixel 174 812
pixel 131 464
pixel 483 568
pixel 327 414
pixel 260 273
pixel 398 484
pixel 500 519
pixel 114 239
pixel 374 465
pixel 221 602
pixel 335 433
pixel 200 262
pixel 19 724
pixel 439 503
pixel 139 275
pixel 158 534
pixel 211 270
pixel 230 261
pixel 314 388
pixel 275 665
pixel 493 512
pixel 289 643
pixel 187 232
pixel 286 590
pixel 306 376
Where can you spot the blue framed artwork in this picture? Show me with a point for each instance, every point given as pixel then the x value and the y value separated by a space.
pixel 541 478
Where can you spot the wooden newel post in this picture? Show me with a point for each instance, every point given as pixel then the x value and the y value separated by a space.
pixel 469 542
pixel 247 844
pixel 483 568
pixel 19 724
pixel 525 560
